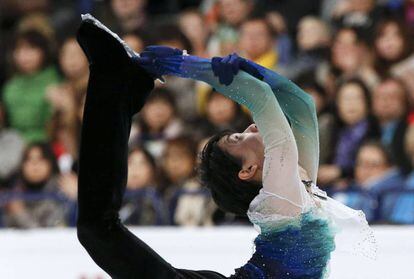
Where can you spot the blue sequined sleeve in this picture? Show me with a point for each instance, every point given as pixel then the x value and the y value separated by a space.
pixel 280 170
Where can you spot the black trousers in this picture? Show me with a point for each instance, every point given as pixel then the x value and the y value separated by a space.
pixel 117 90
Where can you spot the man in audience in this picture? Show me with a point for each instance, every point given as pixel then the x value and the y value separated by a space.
pixel 390 106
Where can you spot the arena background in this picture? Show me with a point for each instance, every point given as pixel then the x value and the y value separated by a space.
pixel 354 57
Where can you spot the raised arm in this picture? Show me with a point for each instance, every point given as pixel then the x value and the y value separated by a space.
pixel 280 171
pixel 299 108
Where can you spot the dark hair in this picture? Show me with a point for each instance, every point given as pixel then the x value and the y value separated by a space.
pixel 219 172
pixel 365 91
pixel 378 145
pixel 381 65
pixel 35 39
pixel 171 32
pixel 47 154
pixel 158 94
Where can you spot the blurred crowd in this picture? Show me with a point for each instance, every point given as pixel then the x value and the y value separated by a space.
pixel 354 57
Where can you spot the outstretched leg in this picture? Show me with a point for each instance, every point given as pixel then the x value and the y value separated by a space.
pixel 117 89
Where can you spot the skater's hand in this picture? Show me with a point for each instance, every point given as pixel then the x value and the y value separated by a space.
pixel 225 68
pixel 152 58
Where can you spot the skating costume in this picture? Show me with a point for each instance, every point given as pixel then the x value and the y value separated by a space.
pixel 297 223
pixel 296 228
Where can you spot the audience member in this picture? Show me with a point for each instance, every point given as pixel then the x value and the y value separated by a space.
pixel 390 107
pixel 354 124
pixel 35 189
pixel 24 94
pixel 142 204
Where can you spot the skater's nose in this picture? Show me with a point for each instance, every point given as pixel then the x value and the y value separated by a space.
pixel 251 129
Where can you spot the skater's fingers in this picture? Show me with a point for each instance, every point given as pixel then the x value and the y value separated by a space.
pixel 250 69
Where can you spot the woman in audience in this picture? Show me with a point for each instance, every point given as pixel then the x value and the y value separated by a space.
pixel 35 190
pixel 354 124
pixel 65 127
pixel 186 199
pixel 392 44
pixel 27 109
pixel 157 122
pixel 142 204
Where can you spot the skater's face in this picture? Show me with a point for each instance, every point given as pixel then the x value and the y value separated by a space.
pixel 249 148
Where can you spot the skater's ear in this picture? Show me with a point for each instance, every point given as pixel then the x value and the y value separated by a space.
pixel 248 172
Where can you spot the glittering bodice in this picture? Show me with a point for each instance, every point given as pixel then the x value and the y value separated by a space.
pixel 301 249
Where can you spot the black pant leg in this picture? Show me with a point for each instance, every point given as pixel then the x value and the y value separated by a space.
pixel 116 91
pixel 113 97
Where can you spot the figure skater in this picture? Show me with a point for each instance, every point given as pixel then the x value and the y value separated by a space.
pixel 258 172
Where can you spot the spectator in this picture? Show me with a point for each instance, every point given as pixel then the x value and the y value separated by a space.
pixel 24 94
pixel 186 198
pixel 37 188
pixel 129 14
pixel 192 24
pixel 350 57
pixel 390 107
pixel 142 204
pixel 392 44
pixel 313 39
pixel 136 40
pixel 361 14
pixel 354 124
pixel 157 122
pixel 375 174
pixel 65 128
pixel 257 42
pixel 11 149
pixel 232 14
pixel 221 114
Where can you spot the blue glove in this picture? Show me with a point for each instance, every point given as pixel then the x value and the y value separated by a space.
pixel 150 59
pixel 227 67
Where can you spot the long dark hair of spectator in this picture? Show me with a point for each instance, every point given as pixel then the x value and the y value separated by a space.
pixel 381 65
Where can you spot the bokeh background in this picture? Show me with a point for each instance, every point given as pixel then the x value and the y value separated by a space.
pixel 354 57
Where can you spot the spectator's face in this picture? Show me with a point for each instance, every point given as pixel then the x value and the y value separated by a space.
pixel 72 60
pixel 27 58
pixel 312 34
pixel 157 114
pixel 370 164
pixel 194 27
pixel 351 104
pixel 346 52
pixel 390 44
pixel 220 110
pixel 255 39
pixel 179 163
pixel 134 42
pixel 36 168
pixel 140 171
pixel 389 101
pixel 127 8
pixel 234 11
